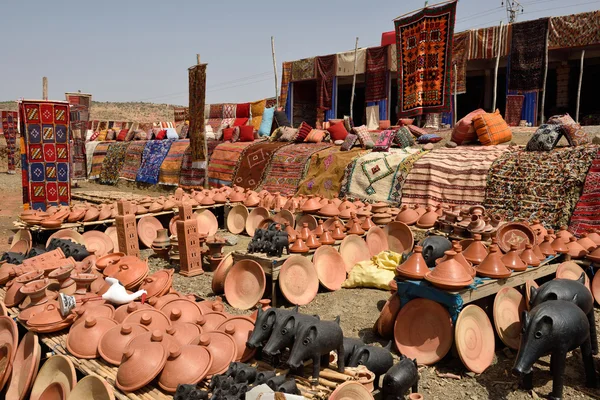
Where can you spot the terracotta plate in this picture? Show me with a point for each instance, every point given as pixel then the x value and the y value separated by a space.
pixel 207 222
pixel 571 270
pixel 298 280
pixel 98 241
pixel 330 267
pixel 9 336
pixel 236 219
pixel 515 233
pixel 596 288
pixel 377 241
pixel 111 231
pixel 255 218
pixel 67 234
pixel 173 225
pixel 354 249
pixel 528 285
pixel 309 219
pixel 221 273
pixel 57 369
pixel 245 284
pixel 474 337
pixel 26 362
pixel 147 228
pixel 20 246
pixel 285 216
pixel 400 237
pixel 92 384
pixel 509 304
pixel 23 234
pixel 351 391
pixel 423 330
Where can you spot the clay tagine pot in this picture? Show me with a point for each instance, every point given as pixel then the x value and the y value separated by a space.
pixel 338 233
pixel 141 363
pixel 310 206
pixel 327 239
pixel 415 266
pixel 428 219
pixel 559 246
pixel 184 332
pixel 356 228
pixel 493 266
pixel 449 274
pixel 304 232
pixel 529 257
pixel 564 234
pixel 512 260
pixel 576 251
pixel 594 236
pixel 457 248
pixel 312 242
pixel 185 365
pixel 588 244
pixel 36 290
pixel 299 246
pixel 329 210
pixel 222 347
pixel 318 231
pixel 123 311
pixel 476 251
pixel 114 341
pixel 367 224
pixel 83 339
pixel 546 247
pixel 239 328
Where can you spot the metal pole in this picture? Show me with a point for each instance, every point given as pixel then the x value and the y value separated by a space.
pixel 579 86
pixel 45 88
pixel 353 79
pixel 544 83
pixel 275 70
pixel 496 68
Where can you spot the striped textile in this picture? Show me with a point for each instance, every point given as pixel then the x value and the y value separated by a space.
pixel 289 166
pixel 223 162
pixel 193 173
pixel 587 211
pixel 90 147
pixel 171 166
pixel 451 176
pixel 254 162
pixel 133 160
pixel 484 42
pixel 98 158
pixel 286 77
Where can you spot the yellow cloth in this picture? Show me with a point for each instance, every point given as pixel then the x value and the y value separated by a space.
pixel 374 273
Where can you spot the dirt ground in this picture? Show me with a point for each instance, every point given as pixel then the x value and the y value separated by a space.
pixel 358 308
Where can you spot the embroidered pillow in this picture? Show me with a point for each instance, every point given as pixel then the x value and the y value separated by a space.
pixel 363 136
pixel 219 132
pixel 315 136
pixel 349 142
pixel 246 133
pixel 242 110
pixel 240 121
pixel 275 135
pixel 227 134
pixel 281 119
pixel 161 134
pixel 94 136
pixel 236 134
pixel 429 138
pixel 416 131
pixel 267 122
pixel 384 141
pixel 257 108
pixel 172 134
pixel 337 131
pixel 464 130
pixel 491 128
pixel 545 137
pixel 102 136
pixel 303 131
pixel 572 130
pixel 288 134
pixel 403 138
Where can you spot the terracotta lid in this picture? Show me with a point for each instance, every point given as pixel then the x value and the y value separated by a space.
pixel 312 242
pixel 184 332
pixel 476 251
pixel 363 212
pixel 309 220
pixel 157 283
pixel 210 321
pixel 367 223
pixel 311 205
pixel 564 234
pixel 220 273
pixel 240 328
pixel 236 219
pixel 98 242
pixel 474 338
pixel 131 271
pixel 346 213
pixel 493 266
pixel 326 238
pixel 377 240
pixel 254 219
pixel 528 285
pixel 588 244
pixel 220 198
pixel 92 387
pixel 9 337
pixel 114 341
pixel 428 219
pixel 207 222
pixel 25 367
pixel 185 365
pixel 449 274
pixel 353 250
pixel 76 215
pixel 147 228
pixel 546 246
pixel 123 311
pixel 594 256
pixel 141 363
pixel 298 280
pixel 245 284
pixel 93 310
pixel 237 197
pixel 252 200
pixel 109 259
pixel 415 266
pixel 158 302
pixel 354 227
pixel 330 267
pixel 571 270
pixel 529 257
pixel 132 263
pixel 299 246
pixel 329 210
pixel 222 347
pixel 515 233
pixel 151 319
pixel 559 246
pixel 407 215
pixel 83 338
pixel 423 330
pixel 594 236
pixel 509 304
pixel 182 310
pixel 56 369
pixel 305 231
pixel 512 260
pixel 385 322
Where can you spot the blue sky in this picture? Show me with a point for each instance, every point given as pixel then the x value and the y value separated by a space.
pixel 132 50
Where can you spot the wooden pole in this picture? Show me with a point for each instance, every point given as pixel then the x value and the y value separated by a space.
pixel 204 144
pixel 544 82
pixel 45 88
pixel 275 71
pixel 496 69
pixel 579 86
pixel 353 79
pixel 455 95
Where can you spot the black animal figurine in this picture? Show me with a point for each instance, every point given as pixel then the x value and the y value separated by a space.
pixel 232 369
pixel 279 242
pixel 434 248
pixel 263 377
pixel 316 339
pixel 12 257
pixel 276 381
pixel 555 328
pixel 238 389
pixel 289 386
pixel 377 359
pixel 284 331
pixel 265 320
pixel 350 345
pixel 568 290
pixel 399 379
pixel 189 392
pixel 245 374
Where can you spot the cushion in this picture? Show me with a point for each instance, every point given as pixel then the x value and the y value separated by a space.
pixel 403 138
pixel 130 135
pixel 303 131
pixel 246 133
pixel 491 128
pixel 242 110
pixel 416 131
pixel 219 132
pixel 256 121
pixel 208 128
pixel 227 134
pixel 351 138
pixel 384 141
pixel 288 134
pixel 363 136
pixel 267 122
pixel 384 124
pixel 102 136
pixel 141 135
pixel 215 111
pixel 337 131
pixel 122 135
pixel 348 123
pixel 429 138
pixel 281 119
pixel 161 134
pixel 240 121
pixel 94 136
pixel 257 108
pixel 315 136
pixel 464 129
pixel 172 133
pixel 572 130
pixel 275 135
pixel 111 135
pixel 545 137
pixel 236 134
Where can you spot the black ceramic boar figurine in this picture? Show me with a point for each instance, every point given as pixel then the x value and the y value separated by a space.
pixel 378 360
pixel 350 344
pixel 265 320
pixel 434 248
pixel 555 328
pixel 399 379
pixel 568 290
pixel 314 340
pixel 284 331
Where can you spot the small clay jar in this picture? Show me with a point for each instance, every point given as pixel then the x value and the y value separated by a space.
pixel 529 257
pixel 338 233
pixel 512 260
pixel 304 232
pixel 326 238
pixel 356 228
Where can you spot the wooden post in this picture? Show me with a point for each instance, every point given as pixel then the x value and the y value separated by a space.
pixel 353 80
pixel 275 71
pixel 579 86
pixel 205 145
pixel 544 82
pixel 45 88
pixel 455 115
pixel 496 69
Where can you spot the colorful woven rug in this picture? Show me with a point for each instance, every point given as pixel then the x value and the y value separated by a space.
pixel 289 166
pixel 133 160
pixel 326 171
pixel 460 46
pixel 528 55
pixel 98 159
pixel 451 176
pixel 325 67
pixel 45 165
pixel 485 41
pixel 514 108
pixel 9 127
pixel 113 162
pixel 376 82
pixel 223 162
pixel 90 147
pixel 170 168
pixel 193 173
pixel 78 158
pixel 303 69
pixel 586 215
pixel 424 42
pixel 574 30
pixel 153 157
pixel 373 176
pixel 286 78
pixel 542 185
pixel 254 161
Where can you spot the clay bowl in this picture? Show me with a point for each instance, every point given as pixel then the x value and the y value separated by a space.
pixel 298 280
pixel 571 270
pixel 54 391
pixel 147 228
pixel 254 219
pixel 509 304
pixel 57 369
pixel 98 242
pixel 353 250
pixel 245 284
pixel 67 234
pixel 92 387
pixel 376 241
pixel 284 216
pixel 531 283
pixel 236 219
pixel 474 338
pixel 220 274
pixel 515 233
pixel 330 267
pixel 351 390
pixel 207 222
pixel 26 362
pixel 20 246
pixel 400 237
